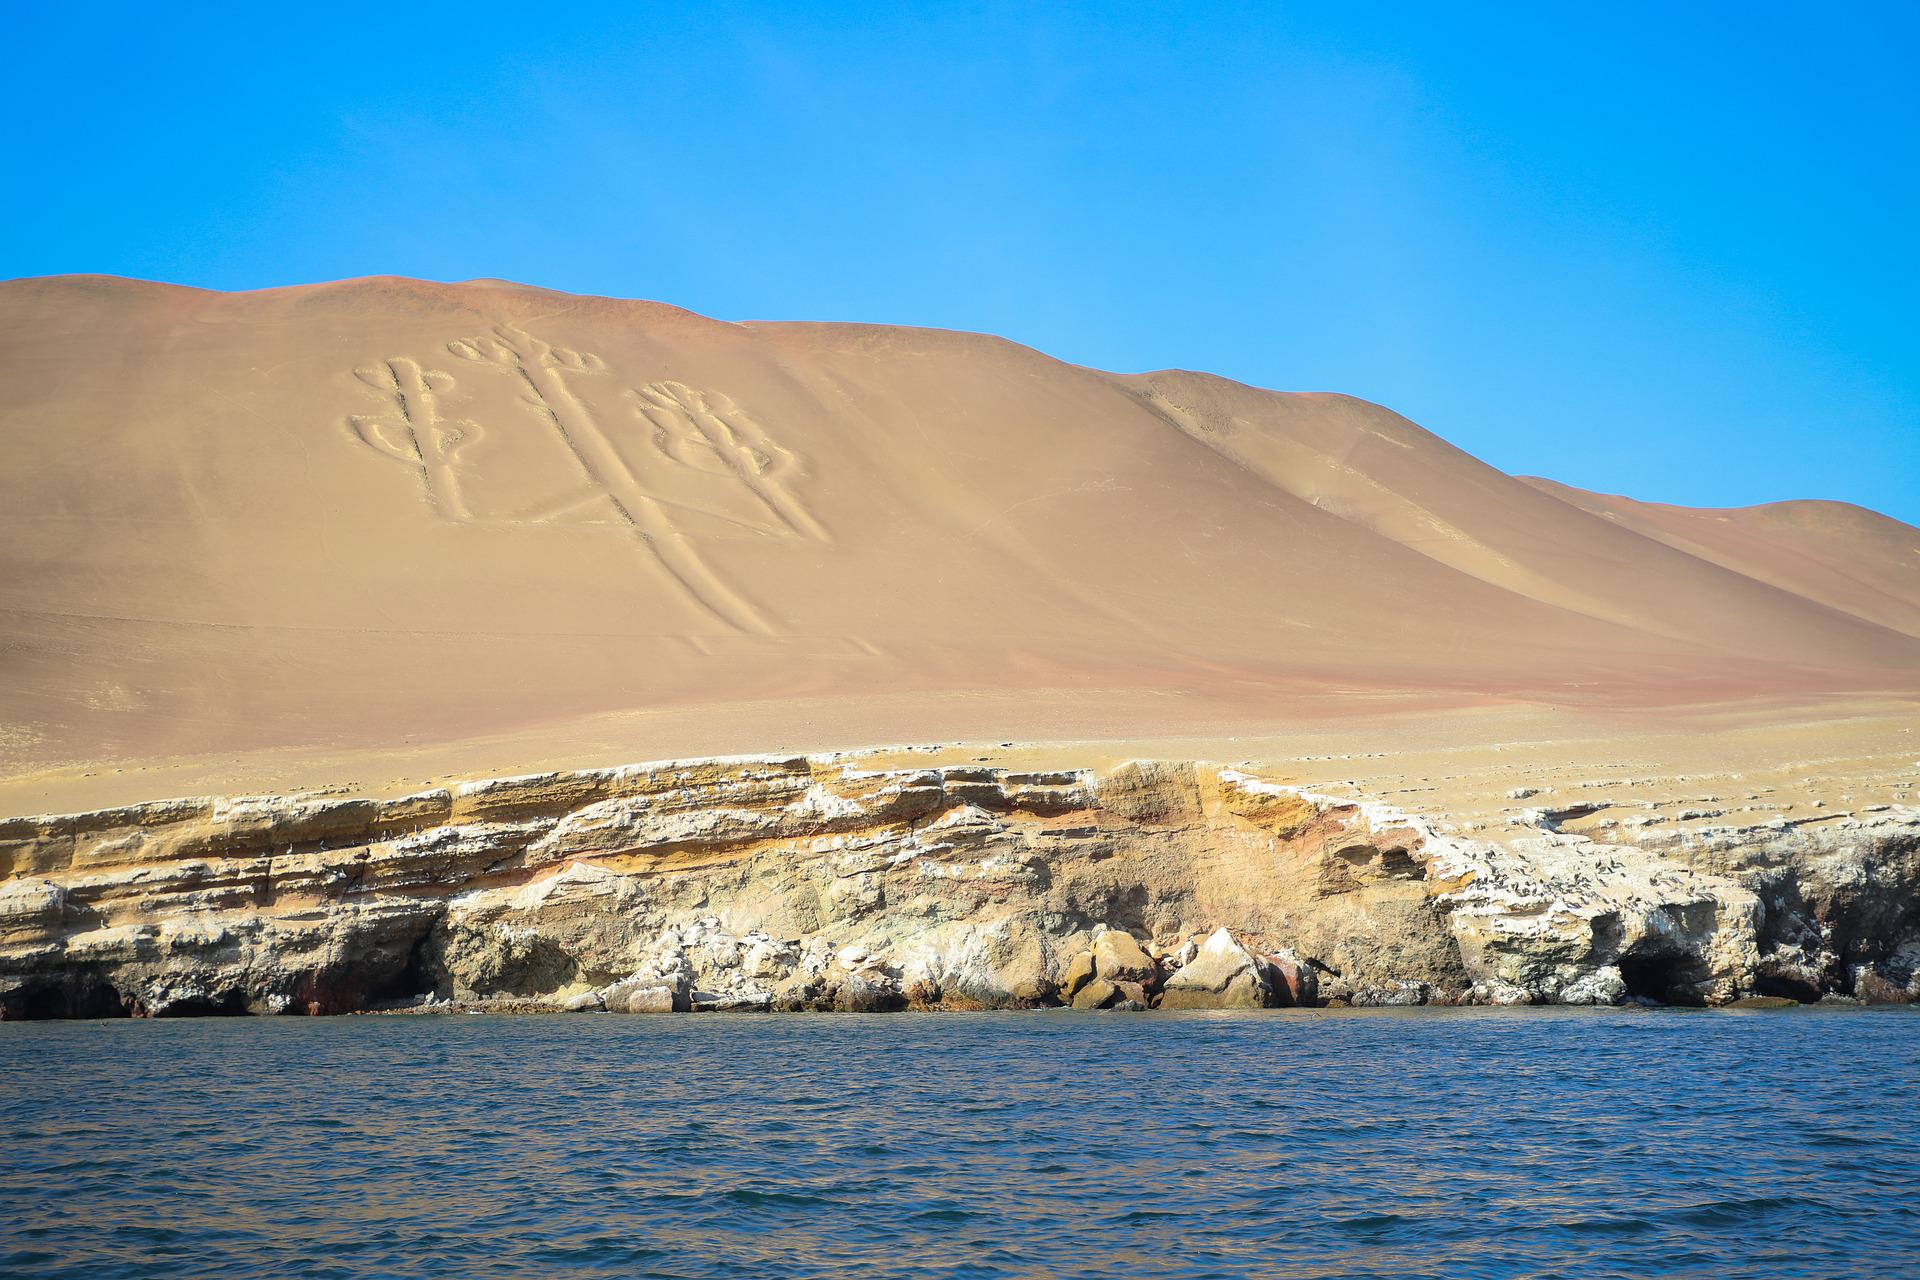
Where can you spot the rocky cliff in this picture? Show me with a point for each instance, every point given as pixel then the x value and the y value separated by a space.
pixel 828 883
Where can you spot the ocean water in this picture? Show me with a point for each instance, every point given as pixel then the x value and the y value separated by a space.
pixel 1445 1143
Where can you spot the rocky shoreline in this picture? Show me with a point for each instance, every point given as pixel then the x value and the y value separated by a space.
pixel 820 883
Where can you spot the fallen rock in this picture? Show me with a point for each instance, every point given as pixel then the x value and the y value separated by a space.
pixel 750 1001
pixel 1118 957
pixel 648 993
pixel 1391 995
pixel 1098 993
pixel 1081 970
pixel 1035 993
pixel 1872 986
pixel 867 990
pixel 1295 983
pixel 1222 975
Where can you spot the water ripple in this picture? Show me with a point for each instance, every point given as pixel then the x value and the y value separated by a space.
pixel 1459 1144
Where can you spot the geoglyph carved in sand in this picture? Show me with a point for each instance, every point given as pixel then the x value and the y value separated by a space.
pixel 708 432
pixel 413 431
pixel 683 454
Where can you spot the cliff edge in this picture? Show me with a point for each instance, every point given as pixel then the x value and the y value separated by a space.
pixel 830 883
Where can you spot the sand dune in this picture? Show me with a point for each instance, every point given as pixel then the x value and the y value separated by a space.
pixel 352 516
pixel 1843 556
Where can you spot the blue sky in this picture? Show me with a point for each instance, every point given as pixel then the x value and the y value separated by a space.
pixel 1666 250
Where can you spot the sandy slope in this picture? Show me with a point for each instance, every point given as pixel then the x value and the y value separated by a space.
pixel 1844 556
pixel 374 518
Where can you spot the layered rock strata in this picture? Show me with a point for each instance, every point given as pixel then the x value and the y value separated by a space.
pixel 823 883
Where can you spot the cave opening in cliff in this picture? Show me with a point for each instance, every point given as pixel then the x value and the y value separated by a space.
pixel 82 997
pixel 1659 978
pixel 217 1004
pixel 1804 990
pixel 418 977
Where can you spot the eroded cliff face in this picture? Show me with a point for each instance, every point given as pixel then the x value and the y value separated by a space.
pixel 823 883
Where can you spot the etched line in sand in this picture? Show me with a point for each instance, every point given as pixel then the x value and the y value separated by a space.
pixel 413 432
pixel 543 368
pixel 707 431
pixel 689 454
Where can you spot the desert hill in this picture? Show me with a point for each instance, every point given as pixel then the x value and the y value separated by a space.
pixel 1852 559
pixel 383 511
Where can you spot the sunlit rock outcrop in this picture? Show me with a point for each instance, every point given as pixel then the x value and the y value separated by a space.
pixel 820 883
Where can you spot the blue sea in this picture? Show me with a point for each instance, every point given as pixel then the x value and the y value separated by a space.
pixel 1442 1143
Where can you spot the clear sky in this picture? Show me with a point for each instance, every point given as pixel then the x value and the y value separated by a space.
pixel 1669 250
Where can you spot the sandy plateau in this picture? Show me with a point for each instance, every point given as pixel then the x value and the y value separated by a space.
pixel 388 644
